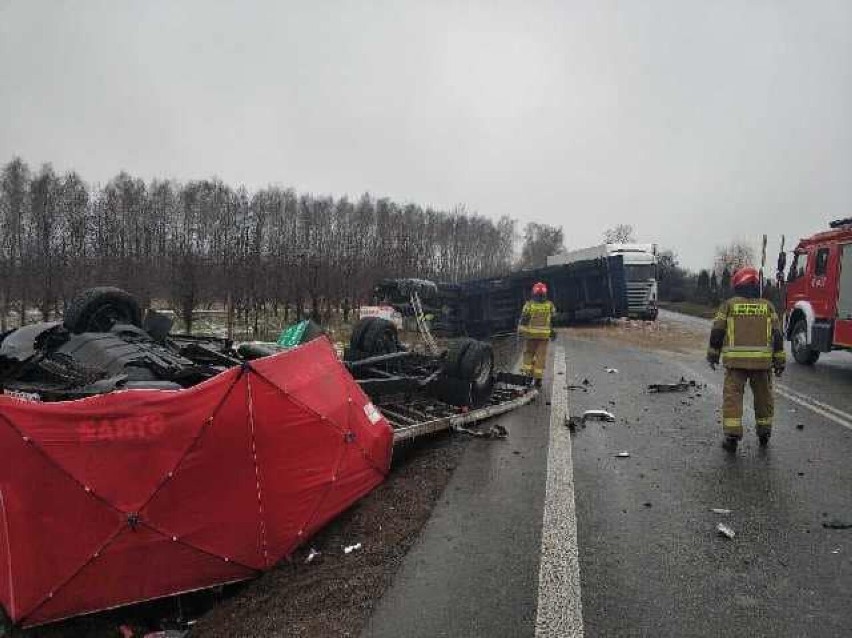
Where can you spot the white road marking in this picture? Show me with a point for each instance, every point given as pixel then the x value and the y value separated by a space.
pixel 560 609
pixel 831 413
pixel 823 409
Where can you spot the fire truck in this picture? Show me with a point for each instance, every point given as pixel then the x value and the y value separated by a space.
pixel 818 303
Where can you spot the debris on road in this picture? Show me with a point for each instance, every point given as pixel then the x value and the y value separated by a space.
pixel 623 455
pixel 496 431
pixel 719 510
pixel 598 415
pixel 611 370
pixel 836 523
pixel 583 385
pixel 351 548
pixel 574 421
pixel 681 386
pixel 800 426
pixel 725 531
pixel 311 556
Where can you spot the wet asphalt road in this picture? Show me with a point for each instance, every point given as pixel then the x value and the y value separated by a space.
pixel 651 562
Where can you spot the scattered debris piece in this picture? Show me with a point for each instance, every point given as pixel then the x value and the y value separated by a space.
pixel 836 523
pixel 598 415
pixel 836 550
pixel 725 531
pixel 647 504
pixel 611 370
pixel 719 510
pixel 800 426
pixel 496 431
pixel 623 455
pixel 574 421
pixel 681 386
pixel 311 555
pixel 575 386
pixel 351 548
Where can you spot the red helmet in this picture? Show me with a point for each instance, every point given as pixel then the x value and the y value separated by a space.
pixel 745 276
pixel 539 288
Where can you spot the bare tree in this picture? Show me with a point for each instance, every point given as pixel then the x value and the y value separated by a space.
pixel 733 256
pixel 540 242
pixel 621 234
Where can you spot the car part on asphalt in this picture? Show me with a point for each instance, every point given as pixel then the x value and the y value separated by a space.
pixel 496 431
pixel 598 415
pixel 725 531
pixel 681 386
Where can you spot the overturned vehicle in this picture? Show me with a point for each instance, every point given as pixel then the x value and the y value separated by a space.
pixel 139 464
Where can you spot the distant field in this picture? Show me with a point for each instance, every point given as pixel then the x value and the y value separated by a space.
pixel 689 308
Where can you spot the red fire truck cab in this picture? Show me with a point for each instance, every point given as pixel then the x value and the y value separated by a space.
pixel 818 304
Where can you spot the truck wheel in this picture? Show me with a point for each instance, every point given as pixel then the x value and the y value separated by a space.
pixel 379 337
pixel 472 362
pixel 358 334
pixel 802 352
pixel 454 356
pixel 99 309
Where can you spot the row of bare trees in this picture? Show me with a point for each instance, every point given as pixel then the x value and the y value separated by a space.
pixel 206 243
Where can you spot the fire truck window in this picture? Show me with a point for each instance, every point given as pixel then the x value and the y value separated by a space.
pixel 799 266
pixel 821 264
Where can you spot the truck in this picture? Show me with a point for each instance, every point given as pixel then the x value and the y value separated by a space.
pixel 640 273
pixel 615 281
pixel 818 293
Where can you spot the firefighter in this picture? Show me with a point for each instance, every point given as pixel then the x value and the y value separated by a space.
pixel 534 326
pixel 747 335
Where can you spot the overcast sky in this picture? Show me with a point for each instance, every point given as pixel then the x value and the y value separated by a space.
pixel 696 122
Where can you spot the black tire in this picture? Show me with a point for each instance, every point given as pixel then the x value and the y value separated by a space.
pixel 802 352
pixel 99 309
pixel 357 336
pixel 477 364
pixel 380 338
pixel 453 391
pixel 472 363
pixel 454 356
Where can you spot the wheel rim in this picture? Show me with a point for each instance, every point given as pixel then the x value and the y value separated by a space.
pixel 483 371
pixel 800 341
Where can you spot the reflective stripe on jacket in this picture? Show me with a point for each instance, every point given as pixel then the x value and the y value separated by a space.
pixel 536 318
pixel 748 332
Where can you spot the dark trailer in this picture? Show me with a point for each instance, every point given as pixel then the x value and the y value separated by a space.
pixel 582 291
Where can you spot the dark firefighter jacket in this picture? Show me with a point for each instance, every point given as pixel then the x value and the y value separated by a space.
pixel 536 318
pixel 747 334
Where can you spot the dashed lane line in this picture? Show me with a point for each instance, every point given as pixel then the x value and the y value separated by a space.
pixel 560 610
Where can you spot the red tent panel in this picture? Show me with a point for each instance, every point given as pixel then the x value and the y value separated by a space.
pixel 140 494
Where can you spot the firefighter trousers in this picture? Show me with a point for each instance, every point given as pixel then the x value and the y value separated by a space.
pixel 535 358
pixel 732 400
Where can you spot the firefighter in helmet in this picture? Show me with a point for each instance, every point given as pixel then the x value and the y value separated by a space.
pixel 535 327
pixel 747 335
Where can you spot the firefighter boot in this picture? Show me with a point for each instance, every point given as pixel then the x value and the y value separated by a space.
pixel 764 404
pixel 730 442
